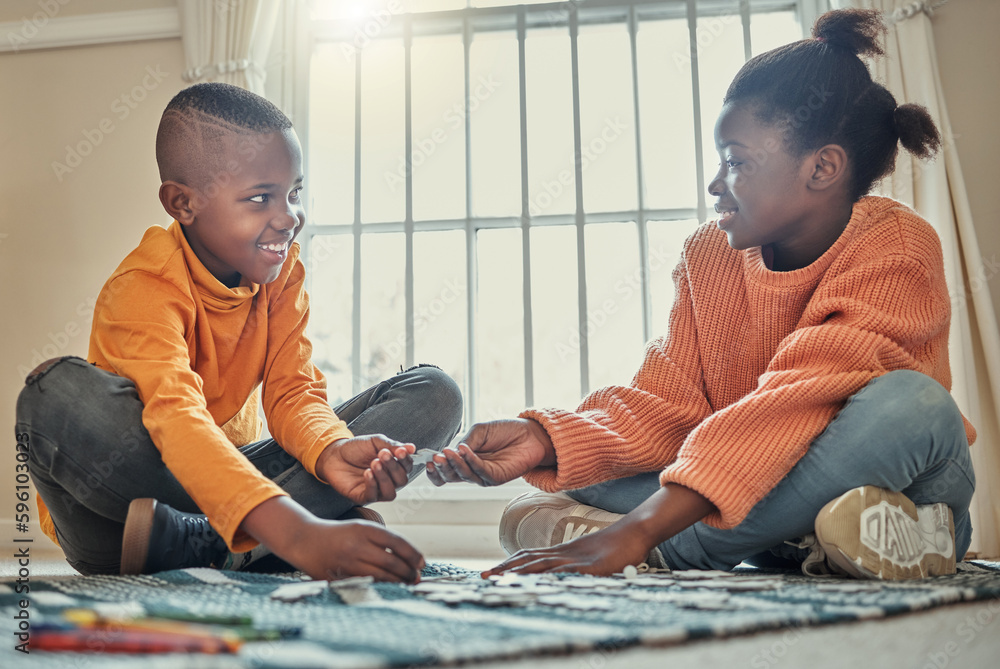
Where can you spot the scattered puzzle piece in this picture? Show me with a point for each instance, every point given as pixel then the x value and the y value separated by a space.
pixel 293 592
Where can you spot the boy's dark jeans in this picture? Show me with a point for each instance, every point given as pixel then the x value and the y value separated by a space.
pixel 90 455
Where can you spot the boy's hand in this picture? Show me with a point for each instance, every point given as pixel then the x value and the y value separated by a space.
pixel 494 453
pixel 337 549
pixel 366 469
pixel 329 549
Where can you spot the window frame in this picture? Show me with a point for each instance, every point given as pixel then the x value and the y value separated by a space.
pixel 296 38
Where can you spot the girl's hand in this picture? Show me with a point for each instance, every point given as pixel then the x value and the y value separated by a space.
pixel 669 510
pixel 493 453
pixel 601 553
pixel 366 469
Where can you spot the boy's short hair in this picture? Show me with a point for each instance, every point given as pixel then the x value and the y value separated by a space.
pixel 193 139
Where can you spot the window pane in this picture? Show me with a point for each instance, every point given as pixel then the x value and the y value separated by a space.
pixel 383 191
pixel 555 316
pixel 720 56
pixel 500 324
pixel 614 303
pixel 439 298
pixel 667 115
pixel 330 175
pixel 551 179
pixel 330 268
pixel 383 306
pixel 773 29
pixel 666 241
pixel 438 89
pixel 495 124
pixel 607 119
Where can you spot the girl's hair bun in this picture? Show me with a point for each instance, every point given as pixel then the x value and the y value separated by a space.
pixel 856 30
pixel 916 130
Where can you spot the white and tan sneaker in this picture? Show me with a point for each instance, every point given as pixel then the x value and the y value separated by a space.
pixel 874 533
pixel 541 519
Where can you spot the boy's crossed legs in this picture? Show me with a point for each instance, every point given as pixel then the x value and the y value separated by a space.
pixel 91 456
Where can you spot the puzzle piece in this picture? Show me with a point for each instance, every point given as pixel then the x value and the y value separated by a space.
pixel 293 592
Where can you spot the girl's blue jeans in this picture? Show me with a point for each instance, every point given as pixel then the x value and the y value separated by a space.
pixel 903 431
pixel 90 455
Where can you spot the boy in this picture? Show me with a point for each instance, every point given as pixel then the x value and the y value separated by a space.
pixel 133 455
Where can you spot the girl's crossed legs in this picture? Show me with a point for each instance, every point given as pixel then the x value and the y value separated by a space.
pixel 902 432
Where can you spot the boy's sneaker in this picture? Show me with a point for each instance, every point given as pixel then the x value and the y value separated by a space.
pixel 875 533
pixel 540 520
pixel 158 537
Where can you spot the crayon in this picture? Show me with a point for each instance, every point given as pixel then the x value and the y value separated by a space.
pixel 128 641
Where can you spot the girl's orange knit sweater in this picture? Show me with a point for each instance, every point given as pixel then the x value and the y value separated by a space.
pixel 756 362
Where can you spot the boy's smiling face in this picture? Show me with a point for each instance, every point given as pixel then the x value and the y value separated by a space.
pixel 242 221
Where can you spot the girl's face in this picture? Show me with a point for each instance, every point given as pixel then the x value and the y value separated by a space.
pixel 762 191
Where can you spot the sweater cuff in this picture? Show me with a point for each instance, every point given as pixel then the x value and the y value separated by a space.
pixel 575 467
pixel 311 455
pixel 228 526
pixel 732 498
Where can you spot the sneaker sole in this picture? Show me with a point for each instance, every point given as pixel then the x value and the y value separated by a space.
pixel 364 513
pixel 135 540
pixel 873 533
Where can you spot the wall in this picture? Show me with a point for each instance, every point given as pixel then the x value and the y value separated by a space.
pixel 63 232
pixel 969 59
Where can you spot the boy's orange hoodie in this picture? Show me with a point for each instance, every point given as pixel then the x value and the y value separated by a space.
pixel 199 354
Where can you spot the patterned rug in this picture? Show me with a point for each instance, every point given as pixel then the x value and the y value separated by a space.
pixel 453 616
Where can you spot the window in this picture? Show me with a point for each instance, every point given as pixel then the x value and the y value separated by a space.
pixel 503 190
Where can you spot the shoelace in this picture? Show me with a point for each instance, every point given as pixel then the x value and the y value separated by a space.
pixel 815 563
pixel 201 538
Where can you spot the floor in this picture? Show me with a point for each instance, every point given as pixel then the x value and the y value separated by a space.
pixel 965 636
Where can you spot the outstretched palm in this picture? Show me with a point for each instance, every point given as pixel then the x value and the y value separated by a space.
pixel 490 454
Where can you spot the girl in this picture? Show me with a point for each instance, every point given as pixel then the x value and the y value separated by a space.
pixel 803 385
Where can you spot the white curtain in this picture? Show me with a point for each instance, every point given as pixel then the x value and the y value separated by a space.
pixel 227 40
pixel 937 191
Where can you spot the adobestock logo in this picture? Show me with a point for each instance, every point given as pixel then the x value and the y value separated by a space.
pixel 121 107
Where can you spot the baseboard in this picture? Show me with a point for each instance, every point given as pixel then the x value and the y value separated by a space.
pixel 455 528
pixel 454 541
pixel 456 520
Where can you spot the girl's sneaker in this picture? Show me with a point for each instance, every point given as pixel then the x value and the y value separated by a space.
pixel 875 533
pixel 541 520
